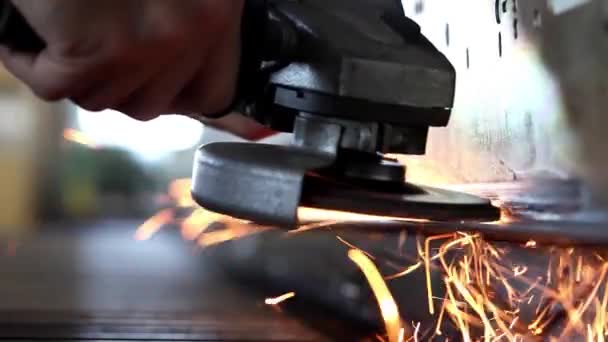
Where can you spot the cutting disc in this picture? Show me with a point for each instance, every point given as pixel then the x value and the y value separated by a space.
pixel 267 184
pixel 403 200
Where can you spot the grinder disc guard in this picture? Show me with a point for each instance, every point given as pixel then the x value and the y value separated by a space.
pixel 267 184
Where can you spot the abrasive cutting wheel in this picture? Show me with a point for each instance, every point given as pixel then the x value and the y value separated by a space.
pixel 267 184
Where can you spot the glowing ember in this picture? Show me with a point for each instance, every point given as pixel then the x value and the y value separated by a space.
pixel 78 137
pixel 406 271
pixel 154 224
pixel 388 307
pixel 531 244
pixel 280 299
pixel 520 270
pixel 198 222
pixel 179 191
pixel 416 333
pixel 233 230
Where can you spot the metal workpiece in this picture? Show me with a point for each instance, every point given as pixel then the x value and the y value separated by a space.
pixel 531 83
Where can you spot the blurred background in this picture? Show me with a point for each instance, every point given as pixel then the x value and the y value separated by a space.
pixel 61 163
pixel 93 210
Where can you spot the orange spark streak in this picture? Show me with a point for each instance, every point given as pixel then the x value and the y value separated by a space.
pixel 179 191
pixel 438 331
pixel 603 312
pixel 386 302
pixel 310 215
pixel 520 270
pixel 233 230
pixel 280 299
pixel 579 268
pixel 352 246
pixel 78 137
pixel 198 222
pixel 416 332
pixel 401 242
pixel 475 305
pixel 408 270
pixel 453 307
pixel 578 313
pixel 154 224
pixel 427 266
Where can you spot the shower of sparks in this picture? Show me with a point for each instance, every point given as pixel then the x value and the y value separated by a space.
pixel 486 296
pixel 388 307
pixel 483 293
pixel 195 226
pixel 280 299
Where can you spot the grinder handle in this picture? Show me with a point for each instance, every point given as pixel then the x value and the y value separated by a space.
pixel 15 32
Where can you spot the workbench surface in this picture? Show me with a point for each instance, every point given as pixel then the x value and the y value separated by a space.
pixel 95 282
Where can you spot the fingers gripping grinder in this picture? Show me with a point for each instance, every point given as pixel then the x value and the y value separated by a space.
pixel 354 80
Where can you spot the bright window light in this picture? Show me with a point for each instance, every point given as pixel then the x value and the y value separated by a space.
pixel 149 140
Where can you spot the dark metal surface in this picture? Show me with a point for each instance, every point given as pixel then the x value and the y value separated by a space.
pixel 95 282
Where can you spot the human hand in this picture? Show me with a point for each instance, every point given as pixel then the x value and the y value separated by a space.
pixel 140 57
